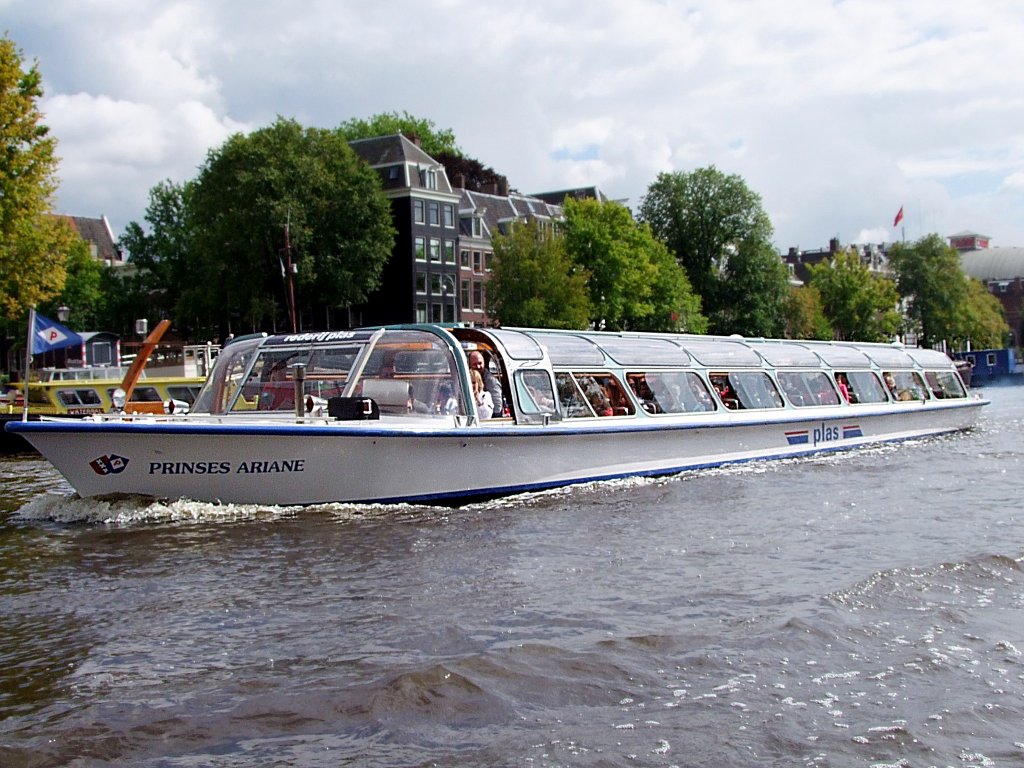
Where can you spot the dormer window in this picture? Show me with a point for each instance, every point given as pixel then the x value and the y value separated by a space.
pixel 478 227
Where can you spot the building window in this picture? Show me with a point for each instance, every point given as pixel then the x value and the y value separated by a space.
pixel 449 251
pixel 435 249
pixel 477 263
pixel 488 257
pixel 465 259
pixel 417 211
pixel 465 294
pixel 478 295
pixel 421 312
pixel 435 285
pixel 431 179
pixel 421 282
pixel 435 313
pixel 477 227
pixel 420 245
pixel 432 212
pixel 449 216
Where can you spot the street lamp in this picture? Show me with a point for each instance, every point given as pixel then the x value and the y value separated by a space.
pixel 63 313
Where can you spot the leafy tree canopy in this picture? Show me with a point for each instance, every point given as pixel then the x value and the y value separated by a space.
pixel 805 315
pixel 860 305
pixel 930 279
pixel 707 219
pixel 281 190
pixel 634 281
pixel 751 294
pixel 982 320
pixel 34 246
pixel 534 283
pixel 161 253
pixel 702 216
pixel 433 140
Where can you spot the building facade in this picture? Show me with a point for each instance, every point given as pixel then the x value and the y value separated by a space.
pixel 441 260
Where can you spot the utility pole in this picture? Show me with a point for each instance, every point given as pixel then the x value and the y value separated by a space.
pixel 289 274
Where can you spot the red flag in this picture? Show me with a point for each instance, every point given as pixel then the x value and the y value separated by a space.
pixel 899 217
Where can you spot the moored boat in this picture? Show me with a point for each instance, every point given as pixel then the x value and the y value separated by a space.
pixel 390 414
pixel 176 377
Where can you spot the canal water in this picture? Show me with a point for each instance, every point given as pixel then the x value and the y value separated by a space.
pixel 861 609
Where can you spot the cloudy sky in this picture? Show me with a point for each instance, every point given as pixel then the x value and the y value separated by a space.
pixel 835 113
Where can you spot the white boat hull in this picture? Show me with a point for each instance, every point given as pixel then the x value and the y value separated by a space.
pixel 319 461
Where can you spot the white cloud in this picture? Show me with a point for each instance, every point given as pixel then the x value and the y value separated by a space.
pixel 835 113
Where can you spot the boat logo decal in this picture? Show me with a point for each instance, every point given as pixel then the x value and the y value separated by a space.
pixel 823 434
pixel 110 464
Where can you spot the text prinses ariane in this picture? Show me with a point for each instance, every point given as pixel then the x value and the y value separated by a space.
pixel 275 466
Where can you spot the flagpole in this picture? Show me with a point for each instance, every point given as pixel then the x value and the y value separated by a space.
pixel 28 361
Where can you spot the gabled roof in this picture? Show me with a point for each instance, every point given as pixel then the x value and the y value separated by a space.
pixel 388 150
pixel 577 193
pixel 98 234
pixel 400 162
pixel 498 210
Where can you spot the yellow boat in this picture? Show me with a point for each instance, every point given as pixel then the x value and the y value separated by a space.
pixel 174 376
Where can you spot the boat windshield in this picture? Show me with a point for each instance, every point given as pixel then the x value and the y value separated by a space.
pixel 225 380
pixel 406 372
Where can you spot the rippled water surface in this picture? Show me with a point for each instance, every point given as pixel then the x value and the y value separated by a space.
pixel 864 609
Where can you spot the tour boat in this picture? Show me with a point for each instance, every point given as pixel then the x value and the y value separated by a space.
pixel 391 414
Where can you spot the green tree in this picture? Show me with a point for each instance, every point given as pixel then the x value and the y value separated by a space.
pixel 534 283
pixel 707 218
pixel 860 305
pixel 752 291
pixel 281 191
pixel 83 290
pixel 982 321
pixel 930 279
pixel 160 254
pixel 805 315
pixel 33 246
pixel 433 140
pixel 634 282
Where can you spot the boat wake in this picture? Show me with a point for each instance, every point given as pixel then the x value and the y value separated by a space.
pixel 72 509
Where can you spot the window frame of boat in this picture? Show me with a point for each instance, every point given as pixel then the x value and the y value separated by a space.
pixel 908 385
pixel 945 385
pixel 741 381
pixel 591 381
pixel 805 388
pixel 856 383
pixel 185 392
pixel 654 405
pixel 394 342
pixel 224 384
pixel 527 405
pixel 141 394
pixel 72 397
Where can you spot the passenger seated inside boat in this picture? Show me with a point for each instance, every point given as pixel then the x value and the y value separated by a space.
pixel 278 391
pixel 492 381
pixel 725 391
pixel 844 386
